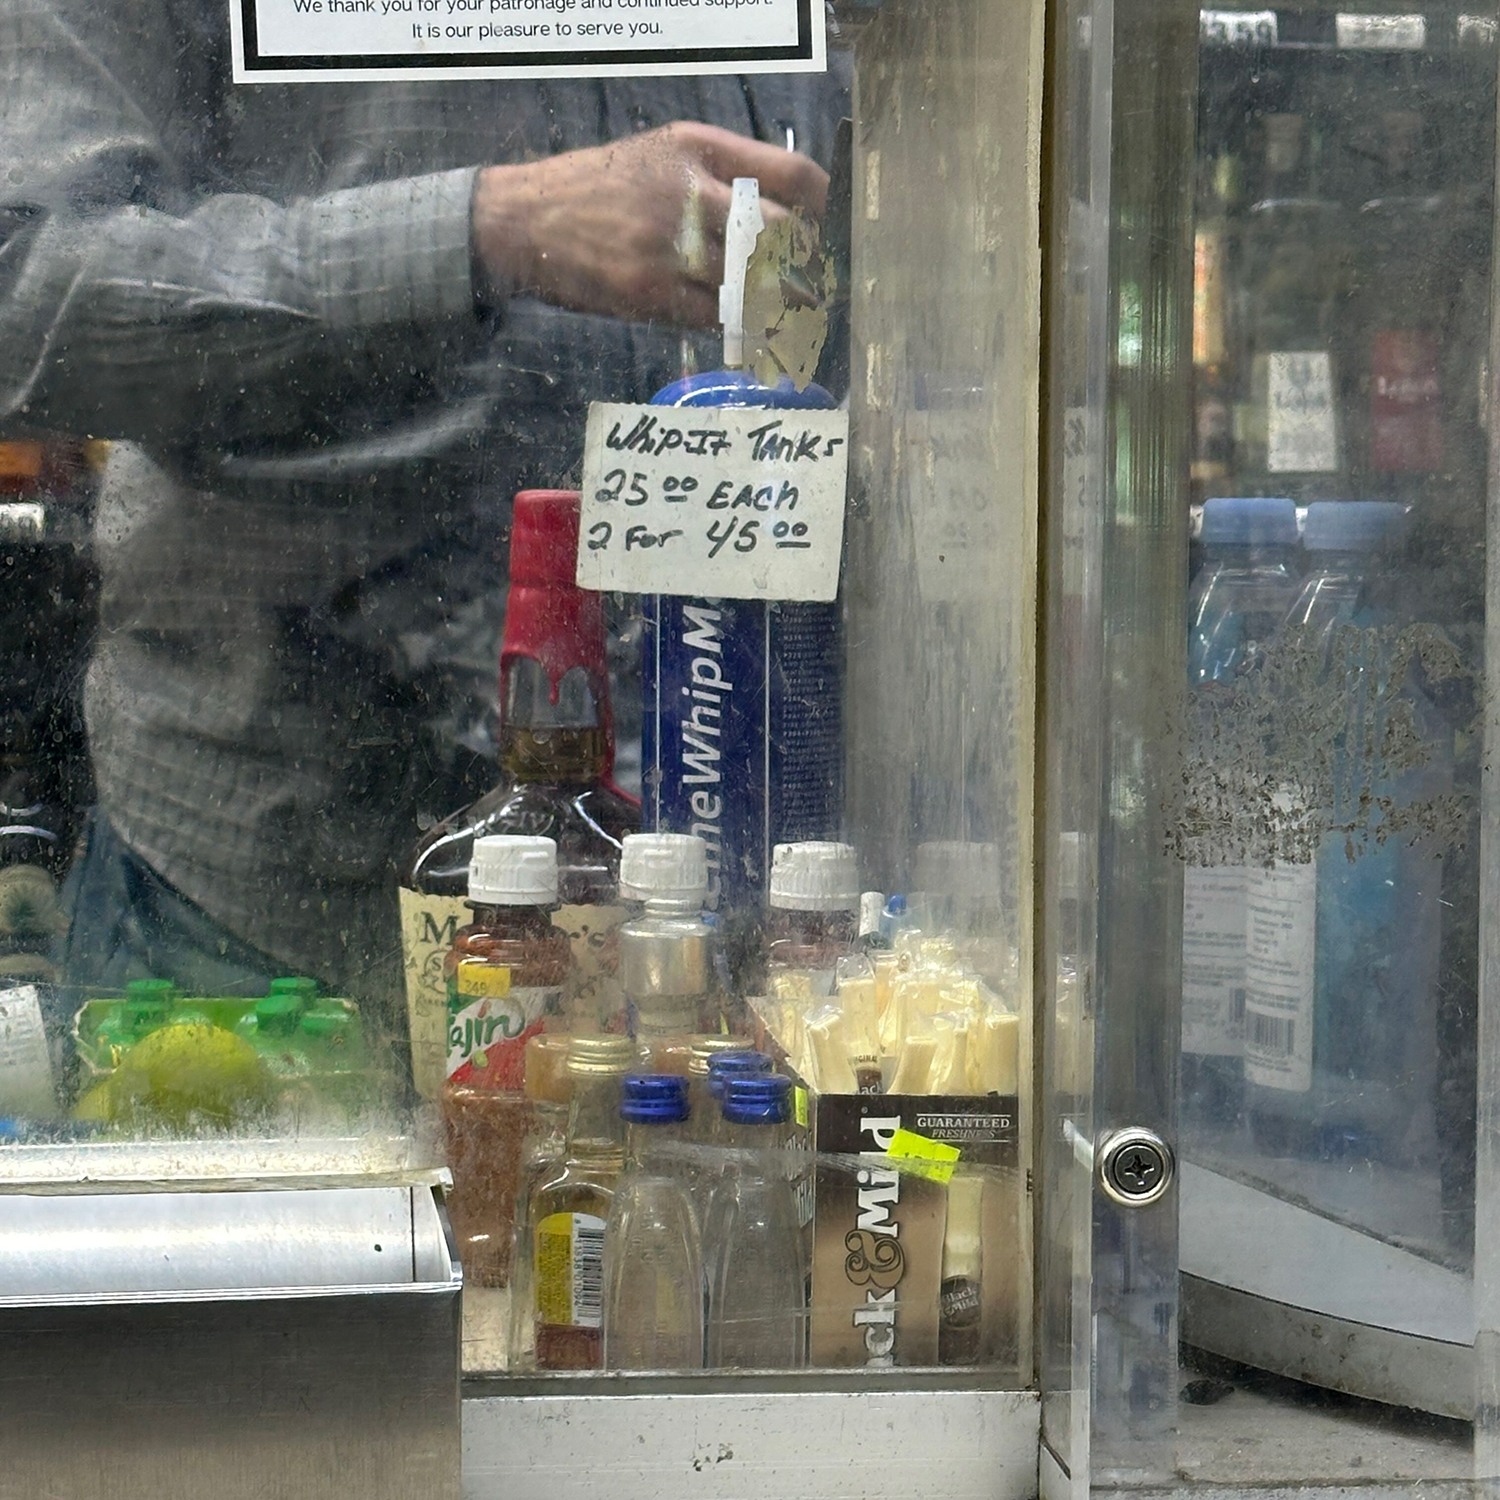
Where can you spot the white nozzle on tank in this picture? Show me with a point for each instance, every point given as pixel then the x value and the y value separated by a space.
pixel 741 230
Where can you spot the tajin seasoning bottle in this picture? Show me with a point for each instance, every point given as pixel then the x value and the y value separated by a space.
pixel 506 976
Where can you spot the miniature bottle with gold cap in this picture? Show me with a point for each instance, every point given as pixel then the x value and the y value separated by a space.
pixel 568 1212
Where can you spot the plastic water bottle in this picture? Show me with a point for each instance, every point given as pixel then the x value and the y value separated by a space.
pixel 1341 977
pixel 758 1296
pixel 1235 607
pixel 651 1251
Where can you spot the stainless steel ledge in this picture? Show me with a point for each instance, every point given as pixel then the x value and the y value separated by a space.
pixel 884 1444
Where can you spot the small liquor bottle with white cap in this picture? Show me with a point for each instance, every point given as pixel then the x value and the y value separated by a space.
pixel 814 911
pixel 666 953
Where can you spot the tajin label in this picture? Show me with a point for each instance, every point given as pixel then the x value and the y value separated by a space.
pixel 489 1024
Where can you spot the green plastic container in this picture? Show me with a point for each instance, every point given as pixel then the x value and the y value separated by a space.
pixel 314 1046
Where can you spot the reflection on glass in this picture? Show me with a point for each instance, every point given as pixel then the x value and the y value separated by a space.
pixel 1331 807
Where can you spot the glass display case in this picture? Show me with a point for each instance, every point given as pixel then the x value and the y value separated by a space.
pixel 798 716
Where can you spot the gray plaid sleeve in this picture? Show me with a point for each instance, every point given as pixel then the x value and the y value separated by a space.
pixel 127 308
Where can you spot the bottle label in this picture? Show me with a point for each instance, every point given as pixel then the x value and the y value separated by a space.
pixel 1405 411
pixel 1280 974
pixel 490 1022
pixel 1213 960
pixel 593 932
pixel 428 925
pixel 1300 435
pixel 742 741
pixel 570 1270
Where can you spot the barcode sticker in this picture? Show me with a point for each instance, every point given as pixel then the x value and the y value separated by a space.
pixel 588 1271
pixel 1281 933
pixel 570 1270
pixel 1273 1034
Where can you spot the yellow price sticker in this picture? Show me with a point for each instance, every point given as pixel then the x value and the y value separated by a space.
pixel 929 1158
pixel 483 981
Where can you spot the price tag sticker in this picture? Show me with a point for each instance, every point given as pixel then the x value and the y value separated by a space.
pixel 720 502
pixel 925 1157
pixel 1237 28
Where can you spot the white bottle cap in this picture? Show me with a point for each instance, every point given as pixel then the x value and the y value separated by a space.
pixel 664 867
pixel 871 910
pixel 814 876
pixel 512 869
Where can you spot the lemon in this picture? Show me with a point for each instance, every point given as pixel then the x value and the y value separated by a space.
pixel 96 1103
pixel 191 1069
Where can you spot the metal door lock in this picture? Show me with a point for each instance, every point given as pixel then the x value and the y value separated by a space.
pixel 1135 1166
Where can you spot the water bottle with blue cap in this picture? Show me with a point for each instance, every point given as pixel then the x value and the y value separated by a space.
pixel 1235 608
pixel 1343 934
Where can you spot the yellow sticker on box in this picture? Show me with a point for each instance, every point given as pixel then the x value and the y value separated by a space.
pixel 483 981
pixel 799 1106
pixel 928 1158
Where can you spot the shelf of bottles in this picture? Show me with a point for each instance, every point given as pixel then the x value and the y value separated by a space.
pixel 702 1114
pixel 705 1101
pixel 1341 311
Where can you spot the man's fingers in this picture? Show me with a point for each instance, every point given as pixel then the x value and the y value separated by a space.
pixel 786 176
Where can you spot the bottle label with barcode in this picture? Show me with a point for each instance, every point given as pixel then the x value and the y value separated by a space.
pixel 1281 932
pixel 1213 960
pixel 570 1270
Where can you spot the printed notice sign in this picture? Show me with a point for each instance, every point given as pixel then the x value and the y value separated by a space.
pixel 723 503
pixel 337 41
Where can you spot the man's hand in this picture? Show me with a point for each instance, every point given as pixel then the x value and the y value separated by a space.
pixel 634 228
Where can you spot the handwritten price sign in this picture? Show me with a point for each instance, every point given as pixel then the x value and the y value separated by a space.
pixel 727 503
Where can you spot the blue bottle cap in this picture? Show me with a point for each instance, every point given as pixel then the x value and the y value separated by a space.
pixel 1249 521
pixel 654 1099
pixel 762 1100
pixel 741 388
pixel 725 1065
pixel 1351 525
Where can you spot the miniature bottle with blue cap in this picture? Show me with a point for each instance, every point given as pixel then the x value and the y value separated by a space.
pixel 757 1295
pixel 651 1248
pixel 742 742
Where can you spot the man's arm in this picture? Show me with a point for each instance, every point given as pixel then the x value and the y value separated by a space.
pixel 129 309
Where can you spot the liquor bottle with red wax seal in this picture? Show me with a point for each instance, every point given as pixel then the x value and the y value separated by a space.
pixel 557 754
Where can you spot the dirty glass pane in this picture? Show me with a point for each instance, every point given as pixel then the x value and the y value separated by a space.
pixel 1329 822
pixel 293 388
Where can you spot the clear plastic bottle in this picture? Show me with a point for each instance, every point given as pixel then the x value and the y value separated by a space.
pixel 1341 993
pixel 1235 609
pixel 666 952
pixel 651 1249
pixel 704 1094
pixel 757 1317
pixel 814 916
pixel 567 1213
